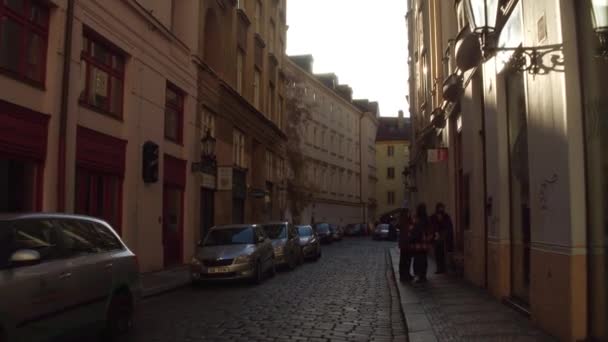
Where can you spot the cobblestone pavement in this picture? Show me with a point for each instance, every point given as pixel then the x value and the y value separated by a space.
pixel 348 295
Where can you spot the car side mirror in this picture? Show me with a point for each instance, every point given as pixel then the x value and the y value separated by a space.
pixel 25 257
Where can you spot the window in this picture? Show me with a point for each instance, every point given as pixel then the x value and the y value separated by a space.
pixel 240 70
pixel 390 150
pixel 258 17
pixel 174 113
pixel 271 36
pixel 240 4
pixel 390 173
pixel 107 239
pixel 281 170
pixel 280 112
pixel 238 148
pixel 24 27
pixel 257 79
pixel 208 123
pixel 271 97
pixel 39 235
pixel 269 166
pixel 390 197
pixel 79 237
pixel 103 83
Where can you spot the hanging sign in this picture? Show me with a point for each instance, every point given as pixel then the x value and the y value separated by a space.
pixel 437 155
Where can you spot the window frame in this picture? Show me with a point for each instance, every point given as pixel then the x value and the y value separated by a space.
pixel 390 200
pixel 390 150
pixel 28 27
pixel 390 173
pixel 178 107
pixel 90 37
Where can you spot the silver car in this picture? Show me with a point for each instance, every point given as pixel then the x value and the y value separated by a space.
pixel 233 252
pixel 62 273
pixel 311 245
pixel 286 243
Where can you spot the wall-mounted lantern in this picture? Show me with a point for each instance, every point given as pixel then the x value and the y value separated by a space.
pixel 599 15
pixel 208 160
pixel 483 17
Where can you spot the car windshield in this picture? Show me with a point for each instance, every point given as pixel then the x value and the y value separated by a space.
pixel 276 231
pixel 229 236
pixel 322 228
pixel 305 231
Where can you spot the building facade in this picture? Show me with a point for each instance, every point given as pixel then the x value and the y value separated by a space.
pixel 523 149
pixel 392 161
pixel 336 145
pixel 101 114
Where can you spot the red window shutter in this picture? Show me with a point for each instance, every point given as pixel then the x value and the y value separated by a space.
pixel 23 132
pixel 100 152
pixel 174 171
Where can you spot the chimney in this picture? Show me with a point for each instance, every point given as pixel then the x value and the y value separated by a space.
pixel 400 120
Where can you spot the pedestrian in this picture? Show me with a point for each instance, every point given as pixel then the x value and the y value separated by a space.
pixel 441 224
pixel 405 257
pixel 419 239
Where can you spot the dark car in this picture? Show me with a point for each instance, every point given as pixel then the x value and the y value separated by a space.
pixel 353 229
pixel 381 232
pixel 336 234
pixel 323 232
pixel 309 241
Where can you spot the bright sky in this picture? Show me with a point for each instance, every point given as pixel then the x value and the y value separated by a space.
pixel 363 41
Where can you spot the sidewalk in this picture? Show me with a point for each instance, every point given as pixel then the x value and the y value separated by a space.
pixel 159 282
pixel 449 309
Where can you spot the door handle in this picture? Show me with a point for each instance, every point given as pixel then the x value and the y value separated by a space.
pixel 65 275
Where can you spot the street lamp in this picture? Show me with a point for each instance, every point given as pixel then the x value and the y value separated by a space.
pixel 483 17
pixel 599 15
pixel 208 146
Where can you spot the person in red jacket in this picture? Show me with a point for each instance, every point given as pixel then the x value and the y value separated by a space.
pixel 405 257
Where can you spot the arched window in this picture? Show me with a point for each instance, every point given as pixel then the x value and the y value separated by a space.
pixel 212 42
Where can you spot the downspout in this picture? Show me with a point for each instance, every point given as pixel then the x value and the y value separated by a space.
pixel 361 167
pixel 482 134
pixel 63 113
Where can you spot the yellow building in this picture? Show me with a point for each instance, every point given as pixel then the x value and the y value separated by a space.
pixel 392 160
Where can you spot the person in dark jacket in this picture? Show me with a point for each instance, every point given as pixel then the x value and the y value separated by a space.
pixel 418 242
pixel 405 258
pixel 443 231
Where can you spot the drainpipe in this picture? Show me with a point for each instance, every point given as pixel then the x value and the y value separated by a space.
pixel 482 134
pixel 361 168
pixel 63 113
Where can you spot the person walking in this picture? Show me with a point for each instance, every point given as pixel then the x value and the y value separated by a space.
pixel 419 239
pixel 405 257
pixel 441 224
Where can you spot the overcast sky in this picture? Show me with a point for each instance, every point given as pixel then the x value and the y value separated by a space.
pixel 363 41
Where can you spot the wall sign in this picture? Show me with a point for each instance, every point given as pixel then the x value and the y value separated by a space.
pixel 437 155
pixel 208 181
pixel 224 178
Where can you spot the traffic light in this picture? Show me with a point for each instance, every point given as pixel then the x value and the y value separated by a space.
pixel 150 162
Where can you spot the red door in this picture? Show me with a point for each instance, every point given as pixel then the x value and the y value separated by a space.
pixel 173 209
pixel 172 225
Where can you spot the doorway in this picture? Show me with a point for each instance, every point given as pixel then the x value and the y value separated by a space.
pixel 18 185
pixel 172 225
pixel 519 175
pixel 207 210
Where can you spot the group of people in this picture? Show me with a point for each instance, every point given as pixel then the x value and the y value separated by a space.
pixel 420 234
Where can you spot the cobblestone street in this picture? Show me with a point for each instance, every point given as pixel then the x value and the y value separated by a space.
pixel 348 295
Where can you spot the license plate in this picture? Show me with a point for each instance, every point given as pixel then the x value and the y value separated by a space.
pixel 219 270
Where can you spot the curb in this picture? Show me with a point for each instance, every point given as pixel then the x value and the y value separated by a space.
pixel 417 323
pixel 167 281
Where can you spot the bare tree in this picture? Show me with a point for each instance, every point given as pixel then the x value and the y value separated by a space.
pixel 298 111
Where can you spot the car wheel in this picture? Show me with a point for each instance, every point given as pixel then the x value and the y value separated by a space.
pixel 258 276
pixel 273 269
pixel 292 262
pixel 120 315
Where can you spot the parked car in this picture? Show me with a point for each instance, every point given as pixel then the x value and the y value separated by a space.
pixel 310 242
pixel 353 229
pixel 381 232
pixel 335 232
pixel 60 274
pixel 286 244
pixel 233 252
pixel 323 232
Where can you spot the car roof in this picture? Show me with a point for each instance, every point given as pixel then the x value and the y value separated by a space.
pixel 273 223
pixel 26 216
pixel 233 226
